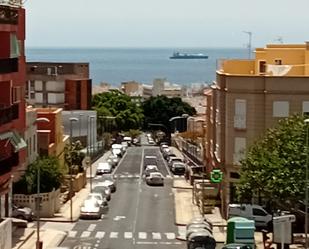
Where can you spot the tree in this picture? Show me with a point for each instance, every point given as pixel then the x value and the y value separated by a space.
pixel 275 165
pixel 51 176
pixel 128 114
pixel 73 156
pixel 160 109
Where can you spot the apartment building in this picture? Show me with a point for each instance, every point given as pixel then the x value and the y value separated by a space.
pixel 247 98
pixel 62 85
pixel 12 103
pixel 163 87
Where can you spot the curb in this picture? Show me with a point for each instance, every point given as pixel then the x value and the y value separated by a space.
pixel 26 239
pixel 59 239
pixel 59 220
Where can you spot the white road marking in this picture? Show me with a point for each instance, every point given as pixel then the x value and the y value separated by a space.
pixel 91 227
pixel 85 234
pixel 147 242
pixel 128 235
pixel 113 235
pixel 72 234
pixel 177 243
pixel 156 235
pixel 100 235
pixel 142 235
pixel 166 243
pixel 170 235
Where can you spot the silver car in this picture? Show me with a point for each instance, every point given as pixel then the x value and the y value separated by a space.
pixel 155 178
pixel 91 209
pixel 24 213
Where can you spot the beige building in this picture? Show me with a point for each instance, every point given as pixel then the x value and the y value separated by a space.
pixel 248 97
pixel 31 135
pixel 163 87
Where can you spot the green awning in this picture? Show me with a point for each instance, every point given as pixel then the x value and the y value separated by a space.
pixel 15 139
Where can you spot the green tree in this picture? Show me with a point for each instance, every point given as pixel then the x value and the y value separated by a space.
pixel 128 114
pixel 274 166
pixel 160 109
pixel 73 152
pixel 51 176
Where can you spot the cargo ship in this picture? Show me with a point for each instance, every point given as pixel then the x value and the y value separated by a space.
pixel 178 55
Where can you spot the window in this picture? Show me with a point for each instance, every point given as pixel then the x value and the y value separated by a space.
pixel 258 212
pixel 239 149
pixel 240 113
pixel 14 46
pixel 16 94
pixel 278 62
pixel 306 108
pixel 262 67
pixel 281 109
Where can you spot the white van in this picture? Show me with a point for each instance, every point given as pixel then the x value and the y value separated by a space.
pixel 253 212
pixel 104 168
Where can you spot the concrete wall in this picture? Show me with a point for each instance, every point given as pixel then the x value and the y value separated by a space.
pixel 6 234
pixel 50 203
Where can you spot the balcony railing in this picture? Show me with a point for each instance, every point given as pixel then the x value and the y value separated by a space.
pixel 8 65
pixel 9 14
pixel 7 164
pixel 8 114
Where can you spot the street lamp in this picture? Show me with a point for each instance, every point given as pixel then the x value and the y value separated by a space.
pixel 91 118
pixel 71 131
pixel 39 244
pixel 306 184
pixel 80 125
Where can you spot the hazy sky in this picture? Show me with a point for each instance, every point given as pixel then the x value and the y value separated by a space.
pixel 164 23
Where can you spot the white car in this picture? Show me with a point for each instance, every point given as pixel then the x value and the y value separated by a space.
pixel 104 168
pixel 99 197
pixel 91 209
pixel 150 168
pixel 155 178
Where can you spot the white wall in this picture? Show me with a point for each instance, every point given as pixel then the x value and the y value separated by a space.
pixel 57 86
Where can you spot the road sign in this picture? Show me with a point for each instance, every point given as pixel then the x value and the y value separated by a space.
pixel 216 176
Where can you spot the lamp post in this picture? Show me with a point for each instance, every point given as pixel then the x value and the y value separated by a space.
pixel 91 118
pixel 71 187
pixel 306 184
pixel 39 244
pixel 80 125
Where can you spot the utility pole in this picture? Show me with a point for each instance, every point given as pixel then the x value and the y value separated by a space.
pixel 249 33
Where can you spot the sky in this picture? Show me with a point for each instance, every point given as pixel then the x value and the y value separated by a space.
pixel 165 23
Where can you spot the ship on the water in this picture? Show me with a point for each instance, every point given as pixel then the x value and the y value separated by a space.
pixel 178 55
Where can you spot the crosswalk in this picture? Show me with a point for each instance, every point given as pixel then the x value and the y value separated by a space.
pixel 156 236
pixel 137 176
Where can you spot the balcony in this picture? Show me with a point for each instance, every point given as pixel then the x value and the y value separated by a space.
pixel 8 14
pixel 8 65
pixel 8 114
pixel 8 163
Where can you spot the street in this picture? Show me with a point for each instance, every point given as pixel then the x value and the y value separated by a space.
pixel 139 216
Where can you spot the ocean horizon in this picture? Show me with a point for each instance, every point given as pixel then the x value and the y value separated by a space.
pixel 114 65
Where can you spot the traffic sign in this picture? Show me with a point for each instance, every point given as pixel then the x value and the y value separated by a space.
pixel 216 176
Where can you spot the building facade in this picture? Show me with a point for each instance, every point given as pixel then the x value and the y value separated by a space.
pixel 31 135
pixel 12 101
pixel 62 85
pixel 51 137
pixel 247 98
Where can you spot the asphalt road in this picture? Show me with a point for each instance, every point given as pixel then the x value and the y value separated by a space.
pixel 139 216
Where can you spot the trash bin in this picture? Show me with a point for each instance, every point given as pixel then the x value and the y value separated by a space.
pixel 201 239
pixel 240 230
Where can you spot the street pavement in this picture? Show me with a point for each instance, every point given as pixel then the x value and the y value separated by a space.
pixel 139 216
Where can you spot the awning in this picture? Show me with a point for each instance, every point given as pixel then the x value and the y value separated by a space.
pixel 15 139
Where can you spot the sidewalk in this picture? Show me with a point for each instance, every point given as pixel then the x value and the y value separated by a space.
pixel 25 238
pixel 185 210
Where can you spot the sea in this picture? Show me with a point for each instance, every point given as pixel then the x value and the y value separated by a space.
pixel 116 65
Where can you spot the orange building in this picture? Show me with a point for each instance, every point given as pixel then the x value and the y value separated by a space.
pixel 51 138
pixel 247 98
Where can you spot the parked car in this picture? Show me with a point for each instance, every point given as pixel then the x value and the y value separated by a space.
pixel 91 209
pixel 108 181
pixel 155 178
pixel 113 160
pixel 178 168
pixel 99 197
pixel 104 168
pixel 236 246
pixel 163 147
pixel 105 191
pixel 253 212
pixel 173 159
pixel 149 169
pixel 128 140
pixel 23 213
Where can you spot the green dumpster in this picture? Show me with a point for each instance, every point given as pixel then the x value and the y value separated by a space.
pixel 240 230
